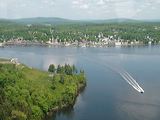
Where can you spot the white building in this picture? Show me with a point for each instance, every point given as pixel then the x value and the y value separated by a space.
pixel 15 61
pixel 118 43
pixel 1 44
pixel 150 42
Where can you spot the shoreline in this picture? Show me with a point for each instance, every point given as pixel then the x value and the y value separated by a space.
pixel 57 109
pixel 45 95
pixel 70 46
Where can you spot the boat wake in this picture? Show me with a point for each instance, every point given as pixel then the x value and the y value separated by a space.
pixel 129 79
pixel 124 74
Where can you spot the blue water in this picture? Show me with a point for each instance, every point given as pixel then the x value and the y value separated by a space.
pixel 107 96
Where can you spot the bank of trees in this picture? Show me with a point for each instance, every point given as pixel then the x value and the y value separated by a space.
pixel 28 94
pixel 66 69
pixel 80 32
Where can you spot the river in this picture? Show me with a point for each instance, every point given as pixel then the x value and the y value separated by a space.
pixel 107 95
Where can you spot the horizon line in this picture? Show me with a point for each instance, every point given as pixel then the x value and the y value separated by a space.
pixel 90 19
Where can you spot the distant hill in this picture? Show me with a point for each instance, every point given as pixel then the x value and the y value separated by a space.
pixel 152 20
pixel 43 20
pixel 57 21
pixel 5 21
pixel 116 20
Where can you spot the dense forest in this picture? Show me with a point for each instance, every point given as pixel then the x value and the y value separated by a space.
pixel 29 94
pixel 127 31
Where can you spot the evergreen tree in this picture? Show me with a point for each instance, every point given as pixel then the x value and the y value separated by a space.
pixel 59 69
pixel 51 68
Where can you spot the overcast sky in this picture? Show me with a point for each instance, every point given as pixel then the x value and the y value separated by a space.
pixel 81 9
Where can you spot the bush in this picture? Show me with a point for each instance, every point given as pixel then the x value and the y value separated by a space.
pixel 18 115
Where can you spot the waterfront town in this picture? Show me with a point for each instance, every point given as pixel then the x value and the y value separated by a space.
pixel 103 42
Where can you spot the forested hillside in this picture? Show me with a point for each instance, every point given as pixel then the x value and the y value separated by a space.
pixel 79 31
pixel 29 94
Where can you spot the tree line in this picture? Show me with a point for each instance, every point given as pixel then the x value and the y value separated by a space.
pixel 81 32
pixel 66 69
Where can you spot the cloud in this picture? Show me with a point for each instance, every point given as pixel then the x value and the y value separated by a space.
pixel 75 2
pixel 78 2
pixel 49 2
pixel 3 8
pixel 77 9
pixel 82 4
pixel 90 12
pixel 101 2
pixel 23 5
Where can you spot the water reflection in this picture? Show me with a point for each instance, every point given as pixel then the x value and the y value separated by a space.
pixel 69 112
pixel 53 59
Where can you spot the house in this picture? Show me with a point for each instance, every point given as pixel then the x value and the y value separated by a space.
pixel 118 43
pixel 15 61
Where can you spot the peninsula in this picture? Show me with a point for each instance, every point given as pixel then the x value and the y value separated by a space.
pixel 31 94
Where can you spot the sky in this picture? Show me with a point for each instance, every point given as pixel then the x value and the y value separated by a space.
pixel 80 9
